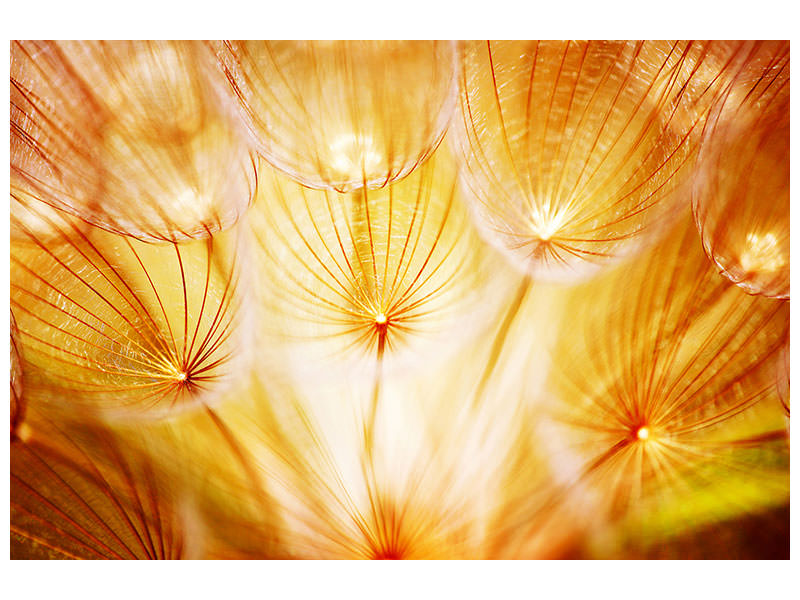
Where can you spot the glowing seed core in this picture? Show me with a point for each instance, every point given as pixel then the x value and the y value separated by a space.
pixel 380 319
pixel 643 433
pixel 181 376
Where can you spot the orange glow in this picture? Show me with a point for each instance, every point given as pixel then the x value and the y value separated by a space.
pixel 399 299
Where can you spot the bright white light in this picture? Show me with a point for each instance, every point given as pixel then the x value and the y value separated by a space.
pixel 545 225
pixel 349 153
pixel 762 253
pixel 643 433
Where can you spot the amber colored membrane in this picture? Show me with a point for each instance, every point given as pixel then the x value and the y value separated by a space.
pixel 82 494
pixel 392 272
pixel 741 196
pixel 783 372
pixel 666 374
pixel 343 114
pixel 17 401
pixel 130 136
pixel 573 150
pixel 111 325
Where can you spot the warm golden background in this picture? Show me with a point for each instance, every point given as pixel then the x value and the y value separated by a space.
pixel 400 299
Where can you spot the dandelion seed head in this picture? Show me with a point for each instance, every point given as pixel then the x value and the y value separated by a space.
pixel 128 360
pixel 568 193
pixel 339 134
pixel 640 393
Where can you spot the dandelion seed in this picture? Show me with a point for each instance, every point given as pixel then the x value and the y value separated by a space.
pixel 82 494
pixel 572 150
pixel 127 340
pixel 372 418
pixel 370 273
pixel 674 383
pixel 343 115
pixel 741 196
pixel 127 136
